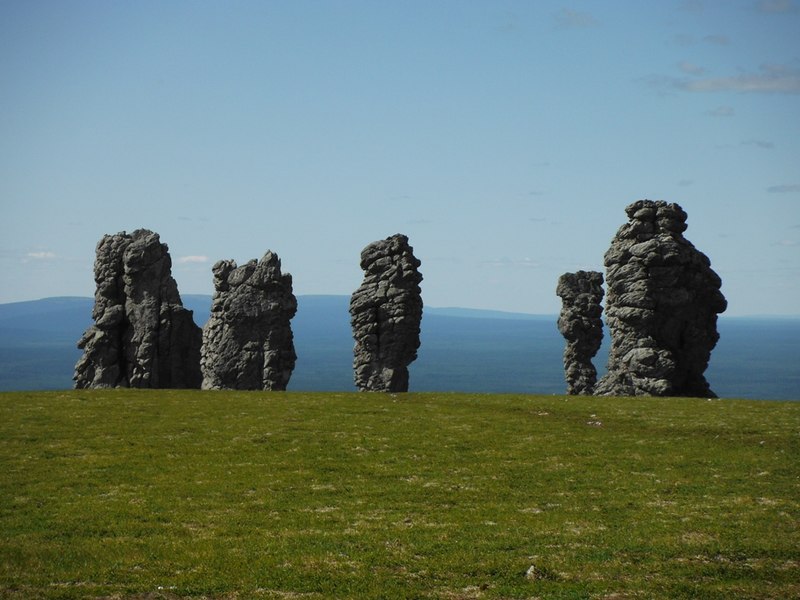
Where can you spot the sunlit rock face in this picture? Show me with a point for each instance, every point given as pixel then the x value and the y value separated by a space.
pixel 662 303
pixel 142 336
pixel 247 341
pixel 386 314
pixel 581 325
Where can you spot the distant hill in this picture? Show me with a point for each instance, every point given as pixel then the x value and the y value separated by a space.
pixel 462 349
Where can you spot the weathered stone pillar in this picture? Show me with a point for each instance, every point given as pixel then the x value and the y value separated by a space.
pixel 247 341
pixel 142 337
pixel 662 303
pixel 386 313
pixel 581 294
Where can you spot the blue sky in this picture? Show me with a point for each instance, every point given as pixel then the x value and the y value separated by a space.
pixel 504 138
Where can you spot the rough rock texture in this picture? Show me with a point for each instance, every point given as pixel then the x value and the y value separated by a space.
pixel 581 294
pixel 247 341
pixel 386 312
pixel 661 306
pixel 142 335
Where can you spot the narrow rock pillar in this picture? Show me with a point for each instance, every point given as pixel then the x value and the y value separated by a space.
pixel 386 313
pixel 581 325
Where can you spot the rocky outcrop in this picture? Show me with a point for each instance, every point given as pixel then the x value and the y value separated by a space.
pixel 579 322
pixel 386 313
pixel 247 341
pixel 662 303
pixel 142 335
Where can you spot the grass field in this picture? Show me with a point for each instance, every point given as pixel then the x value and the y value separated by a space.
pixel 175 494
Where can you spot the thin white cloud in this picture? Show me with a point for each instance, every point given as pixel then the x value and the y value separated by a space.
pixel 722 111
pixel 567 18
pixel 717 39
pixel 694 6
pixel 526 263
pixel 691 68
pixel 509 24
pixel 770 79
pixel 759 144
pixel 41 255
pixel 784 189
pixel 775 6
pixel 789 243
pixel 687 39
pixel 194 259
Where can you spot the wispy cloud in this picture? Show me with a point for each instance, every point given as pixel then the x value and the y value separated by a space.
pixel 721 111
pixel 686 182
pixel 695 6
pixel 717 39
pixel 193 259
pixel 790 188
pixel 789 243
pixel 759 144
pixel 567 18
pixel 769 79
pixel 772 7
pixel 526 263
pixel 509 24
pixel 691 68
pixel 687 39
pixel 40 255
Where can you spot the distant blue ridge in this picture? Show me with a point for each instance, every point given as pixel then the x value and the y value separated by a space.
pixel 463 350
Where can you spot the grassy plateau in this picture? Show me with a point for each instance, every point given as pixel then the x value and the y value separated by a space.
pixel 228 495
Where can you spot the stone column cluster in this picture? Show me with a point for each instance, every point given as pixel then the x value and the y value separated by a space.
pixel 661 307
pixel 142 335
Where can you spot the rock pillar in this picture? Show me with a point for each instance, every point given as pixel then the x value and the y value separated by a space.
pixel 386 313
pixel 579 322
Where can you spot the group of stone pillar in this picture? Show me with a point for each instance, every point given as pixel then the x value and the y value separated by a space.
pixel 661 309
pixel 143 337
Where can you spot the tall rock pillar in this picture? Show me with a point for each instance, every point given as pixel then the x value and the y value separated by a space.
pixel 142 335
pixel 247 341
pixel 386 313
pixel 662 303
pixel 581 295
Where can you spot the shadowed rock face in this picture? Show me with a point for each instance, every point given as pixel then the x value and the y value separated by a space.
pixel 142 337
pixel 247 341
pixel 386 312
pixel 661 306
pixel 581 294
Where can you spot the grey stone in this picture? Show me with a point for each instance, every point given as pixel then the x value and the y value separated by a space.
pixel 580 323
pixel 662 303
pixel 247 341
pixel 142 335
pixel 386 314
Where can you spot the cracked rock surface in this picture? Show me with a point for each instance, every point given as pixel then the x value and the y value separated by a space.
pixel 142 336
pixel 581 325
pixel 247 341
pixel 386 313
pixel 662 303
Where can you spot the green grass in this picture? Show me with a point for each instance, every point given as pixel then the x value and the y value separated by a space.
pixel 175 494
